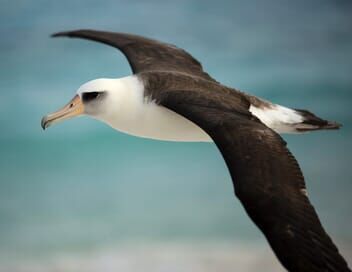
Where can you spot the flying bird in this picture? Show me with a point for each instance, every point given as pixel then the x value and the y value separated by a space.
pixel 170 97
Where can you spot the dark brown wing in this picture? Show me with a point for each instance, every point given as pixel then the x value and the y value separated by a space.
pixel 266 177
pixel 144 54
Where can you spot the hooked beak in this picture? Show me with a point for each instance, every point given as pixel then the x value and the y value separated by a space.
pixel 74 108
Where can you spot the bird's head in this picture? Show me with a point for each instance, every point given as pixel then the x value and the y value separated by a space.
pixel 100 99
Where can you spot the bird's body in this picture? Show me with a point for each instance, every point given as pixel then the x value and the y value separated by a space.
pixel 131 109
pixel 170 97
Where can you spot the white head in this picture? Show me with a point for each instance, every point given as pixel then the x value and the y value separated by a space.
pixel 102 99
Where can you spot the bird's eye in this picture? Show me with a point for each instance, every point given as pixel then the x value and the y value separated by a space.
pixel 86 97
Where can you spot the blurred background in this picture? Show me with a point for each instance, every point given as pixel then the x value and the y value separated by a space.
pixel 82 197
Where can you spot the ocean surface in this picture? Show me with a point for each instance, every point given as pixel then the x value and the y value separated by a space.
pixel 83 197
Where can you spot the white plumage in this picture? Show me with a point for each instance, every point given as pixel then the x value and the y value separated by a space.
pixel 125 109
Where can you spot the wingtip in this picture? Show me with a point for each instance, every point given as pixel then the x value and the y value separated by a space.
pixel 60 34
pixel 72 33
pixel 67 33
pixel 54 35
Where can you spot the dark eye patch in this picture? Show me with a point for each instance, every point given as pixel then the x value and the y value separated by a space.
pixel 86 97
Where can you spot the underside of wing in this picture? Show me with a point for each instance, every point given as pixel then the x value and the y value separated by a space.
pixel 267 180
pixel 144 54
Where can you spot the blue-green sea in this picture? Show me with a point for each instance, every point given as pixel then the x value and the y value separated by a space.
pixel 83 197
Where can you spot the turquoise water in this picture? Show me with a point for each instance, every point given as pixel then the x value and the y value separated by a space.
pixel 81 191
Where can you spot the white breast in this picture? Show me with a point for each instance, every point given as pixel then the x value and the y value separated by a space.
pixel 128 111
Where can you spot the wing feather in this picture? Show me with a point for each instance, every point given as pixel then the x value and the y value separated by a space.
pixel 267 179
pixel 144 54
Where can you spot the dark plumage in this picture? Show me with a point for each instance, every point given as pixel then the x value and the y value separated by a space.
pixel 266 177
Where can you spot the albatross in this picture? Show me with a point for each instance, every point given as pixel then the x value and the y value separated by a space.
pixel 170 97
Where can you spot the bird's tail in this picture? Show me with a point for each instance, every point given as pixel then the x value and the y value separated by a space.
pixel 312 122
pixel 287 120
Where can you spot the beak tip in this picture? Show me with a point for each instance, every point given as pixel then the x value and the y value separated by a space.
pixel 44 123
pixel 72 109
